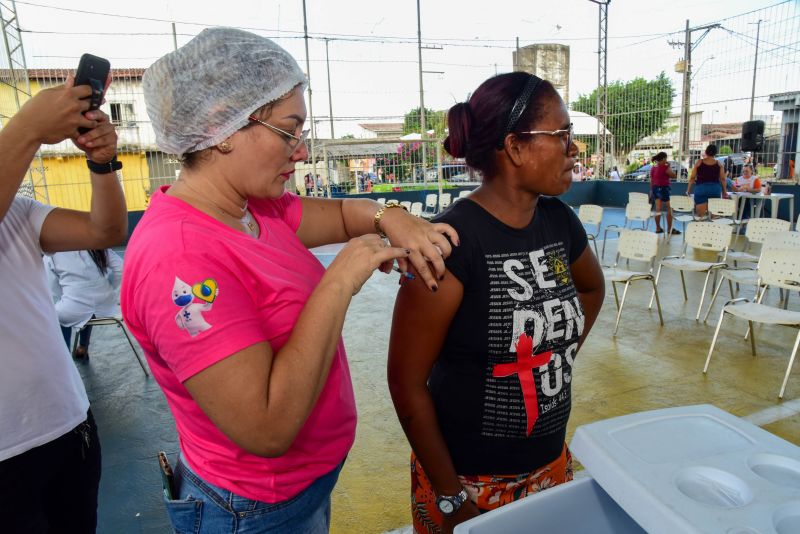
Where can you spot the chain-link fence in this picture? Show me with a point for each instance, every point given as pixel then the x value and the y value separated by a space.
pixel 643 114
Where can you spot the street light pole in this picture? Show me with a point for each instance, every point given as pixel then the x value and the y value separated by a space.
pixel 330 92
pixel 310 105
pixel 423 126
pixel 755 65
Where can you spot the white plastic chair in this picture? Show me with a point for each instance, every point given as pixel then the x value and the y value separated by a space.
pixel 406 204
pixel 756 232
pixel 464 193
pixel 634 212
pixel 636 245
pixel 112 321
pixel 416 209
pixel 639 197
pixel 591 214
pixel 682 211
pixel 444 201
pixel 723 211
pixel 702 236
pixel 778 268
pixel 431 205
pixel 749 276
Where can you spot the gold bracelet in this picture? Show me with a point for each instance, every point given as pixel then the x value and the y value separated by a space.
pixel 377 219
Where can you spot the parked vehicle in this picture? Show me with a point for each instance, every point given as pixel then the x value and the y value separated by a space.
pixel 451 172
pixel 642 174
pixel 733 163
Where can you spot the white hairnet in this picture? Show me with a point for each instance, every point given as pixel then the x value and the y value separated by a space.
pixel 203 92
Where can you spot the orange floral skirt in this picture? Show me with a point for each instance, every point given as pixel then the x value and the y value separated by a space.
pixel 486 491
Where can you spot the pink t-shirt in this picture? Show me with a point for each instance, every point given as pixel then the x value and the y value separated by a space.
pixel 195 291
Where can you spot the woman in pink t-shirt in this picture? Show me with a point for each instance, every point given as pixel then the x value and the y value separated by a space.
pixel 240 323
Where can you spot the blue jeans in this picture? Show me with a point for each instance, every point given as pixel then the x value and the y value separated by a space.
pixel 84 335
pixel 706 190
pixel 204 508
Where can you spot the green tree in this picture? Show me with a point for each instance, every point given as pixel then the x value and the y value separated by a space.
pixel 434 120
pixel 724 150
pixel 636 109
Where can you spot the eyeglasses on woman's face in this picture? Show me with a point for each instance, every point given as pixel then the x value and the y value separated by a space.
pixel 565 134
pixel 291 139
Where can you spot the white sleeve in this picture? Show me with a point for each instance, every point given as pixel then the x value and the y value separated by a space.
pixel 52 277
pixel 35 212
pixel 114 268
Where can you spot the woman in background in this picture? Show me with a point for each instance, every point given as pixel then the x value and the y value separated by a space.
pixel 710 177
pixel 660 173
pixel 84 284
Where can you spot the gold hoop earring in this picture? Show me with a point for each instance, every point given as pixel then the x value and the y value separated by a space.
pixel 225 147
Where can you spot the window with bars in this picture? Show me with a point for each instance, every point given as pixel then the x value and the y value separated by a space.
pixel 122 114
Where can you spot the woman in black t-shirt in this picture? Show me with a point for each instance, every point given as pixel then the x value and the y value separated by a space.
pixel 480 371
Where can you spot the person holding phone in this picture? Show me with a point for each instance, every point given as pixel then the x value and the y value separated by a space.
pixel 240 323
pixel 480 373
pixel 49 447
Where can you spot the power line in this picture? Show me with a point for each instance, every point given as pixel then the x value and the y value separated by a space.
pixel 293 34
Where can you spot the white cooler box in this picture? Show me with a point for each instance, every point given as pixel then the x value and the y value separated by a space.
pixel 693 469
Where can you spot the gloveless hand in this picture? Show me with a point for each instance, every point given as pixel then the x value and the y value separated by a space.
pixel 360 257
pixel 427 242
pixel 55 114
pixel 99 143
pixel 467 511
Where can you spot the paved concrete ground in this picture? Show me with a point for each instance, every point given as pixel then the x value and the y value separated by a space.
pixel 645 367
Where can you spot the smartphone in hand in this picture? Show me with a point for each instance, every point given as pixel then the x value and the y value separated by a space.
pixel 93 71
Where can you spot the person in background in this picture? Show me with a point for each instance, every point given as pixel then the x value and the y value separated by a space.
pixel 577 172
pixel 84 284
pixel 50 458
pixel 660 173
pixel 710 177
pixel 471 367
pixel 748 182
pixel 240 322
pixel 614 175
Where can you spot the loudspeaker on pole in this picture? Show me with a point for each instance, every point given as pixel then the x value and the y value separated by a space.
pixel 753 136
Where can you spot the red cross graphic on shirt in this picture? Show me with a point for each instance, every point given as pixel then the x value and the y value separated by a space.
pixel 523 368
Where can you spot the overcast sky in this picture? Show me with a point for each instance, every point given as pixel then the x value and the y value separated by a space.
pixel 375 78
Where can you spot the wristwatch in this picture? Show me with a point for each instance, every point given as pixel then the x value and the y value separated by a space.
pixel 104 168
pixel 450 504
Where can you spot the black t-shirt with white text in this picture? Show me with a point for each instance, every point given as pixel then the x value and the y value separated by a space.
pixel 501 384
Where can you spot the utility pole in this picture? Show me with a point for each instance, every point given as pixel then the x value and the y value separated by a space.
pixel 602 86
pixel 755 65
pixel 310 105
pixel 423 126
pixel 330 91
pixel 683 140
pixel 688 46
